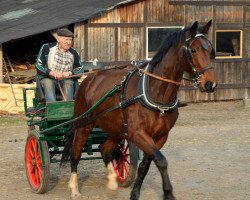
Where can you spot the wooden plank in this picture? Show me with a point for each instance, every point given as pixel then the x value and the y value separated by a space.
pixel 130 44
pixel 101 44
pixel 247 43
pixel 86 41
pixel 131 13
pixel 1 64
pixel 77 37
pixel 229 26
pixel 247 14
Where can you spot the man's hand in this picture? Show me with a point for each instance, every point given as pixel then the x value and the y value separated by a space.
pixel 66 74
pixel 53 74
pixel 59 75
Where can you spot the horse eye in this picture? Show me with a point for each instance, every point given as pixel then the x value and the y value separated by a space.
pixel 193 50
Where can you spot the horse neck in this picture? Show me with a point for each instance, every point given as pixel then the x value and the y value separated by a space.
pixel 169 68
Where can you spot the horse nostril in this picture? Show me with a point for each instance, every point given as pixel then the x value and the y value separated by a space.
pixel 209 86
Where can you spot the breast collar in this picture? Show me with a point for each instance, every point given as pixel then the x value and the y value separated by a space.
pixel 147 101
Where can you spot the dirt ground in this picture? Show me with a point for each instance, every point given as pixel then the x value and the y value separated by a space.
pixel 208 153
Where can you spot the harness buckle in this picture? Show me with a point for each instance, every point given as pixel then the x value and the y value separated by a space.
pixel 197 82
pixel 162 112
pixel 140 73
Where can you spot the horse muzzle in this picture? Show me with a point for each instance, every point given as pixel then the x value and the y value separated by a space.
pixel 209 87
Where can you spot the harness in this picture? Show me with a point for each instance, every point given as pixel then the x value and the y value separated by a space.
pixel 147 101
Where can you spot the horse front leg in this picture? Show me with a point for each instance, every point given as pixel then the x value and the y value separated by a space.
pixel 142 172
pixel 80 138
pixel 106 149
pixel 162 165
pixel 151 148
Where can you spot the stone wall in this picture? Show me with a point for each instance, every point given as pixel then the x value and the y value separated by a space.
pixel 14 105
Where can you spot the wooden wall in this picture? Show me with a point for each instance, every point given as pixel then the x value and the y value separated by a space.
pixel 11 101
pixel 119 36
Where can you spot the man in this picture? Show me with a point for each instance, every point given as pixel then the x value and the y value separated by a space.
pixel 56 62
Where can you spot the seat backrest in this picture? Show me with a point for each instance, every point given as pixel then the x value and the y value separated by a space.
pixel 39 90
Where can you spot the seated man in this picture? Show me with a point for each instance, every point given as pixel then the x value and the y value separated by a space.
pixel 55 64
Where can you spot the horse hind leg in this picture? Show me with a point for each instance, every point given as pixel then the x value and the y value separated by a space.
pixel 106 149
pixel 80 138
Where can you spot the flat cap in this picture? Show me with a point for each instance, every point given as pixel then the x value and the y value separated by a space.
pixel 64 32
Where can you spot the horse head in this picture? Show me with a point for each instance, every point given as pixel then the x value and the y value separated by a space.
pixel 198 55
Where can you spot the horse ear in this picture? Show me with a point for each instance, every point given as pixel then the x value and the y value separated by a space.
pixel 204 29
pixel 193 30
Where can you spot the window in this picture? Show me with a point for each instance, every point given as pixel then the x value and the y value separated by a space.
pixel 228 44
pixel 155 36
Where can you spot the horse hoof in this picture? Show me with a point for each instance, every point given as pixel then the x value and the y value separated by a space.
pixel 169 197
pixel 75 195
pixel 112 186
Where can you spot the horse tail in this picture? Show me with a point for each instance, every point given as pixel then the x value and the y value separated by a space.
pixel 69 137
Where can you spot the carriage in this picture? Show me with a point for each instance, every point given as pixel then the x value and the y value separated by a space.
pixel 48 124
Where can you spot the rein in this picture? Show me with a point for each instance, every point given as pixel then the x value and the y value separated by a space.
pixel 168 80
pixel 159 78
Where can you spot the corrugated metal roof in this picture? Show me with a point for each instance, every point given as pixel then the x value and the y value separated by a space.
pixel 23 18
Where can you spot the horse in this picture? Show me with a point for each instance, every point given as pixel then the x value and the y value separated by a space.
pixel 154 111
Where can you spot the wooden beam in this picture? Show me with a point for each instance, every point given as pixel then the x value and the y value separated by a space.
pixel 209 2
pixel 221 86
pixel 86 36
pixel 116 44
pixel 231 60
pixel 1 64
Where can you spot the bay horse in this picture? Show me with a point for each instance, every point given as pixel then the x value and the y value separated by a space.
pixel 149 119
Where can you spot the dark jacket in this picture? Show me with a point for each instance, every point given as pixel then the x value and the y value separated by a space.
pixel 43 56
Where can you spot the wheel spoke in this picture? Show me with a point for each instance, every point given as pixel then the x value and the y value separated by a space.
pixel 28 157
pixel 29 167
pixel 125 155
pixel 126 160
pixel 40 172
pixel 114 164
pixel 36 176
pixel 34 145
pixel 125 167
pixel 120 167
pixel 30 151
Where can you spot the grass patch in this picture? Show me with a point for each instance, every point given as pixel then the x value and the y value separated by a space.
pixel 12 120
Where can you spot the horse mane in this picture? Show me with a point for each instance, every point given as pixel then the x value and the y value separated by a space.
pixel 172 40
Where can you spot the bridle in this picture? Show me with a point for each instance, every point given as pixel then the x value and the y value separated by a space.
pixel 188 53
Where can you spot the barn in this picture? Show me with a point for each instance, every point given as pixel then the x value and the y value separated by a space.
pixel 118 32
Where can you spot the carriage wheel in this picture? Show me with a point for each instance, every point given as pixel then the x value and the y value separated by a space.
pixel 38 176
pixel 125 163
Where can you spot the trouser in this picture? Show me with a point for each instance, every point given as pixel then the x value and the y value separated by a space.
pixel 49 87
